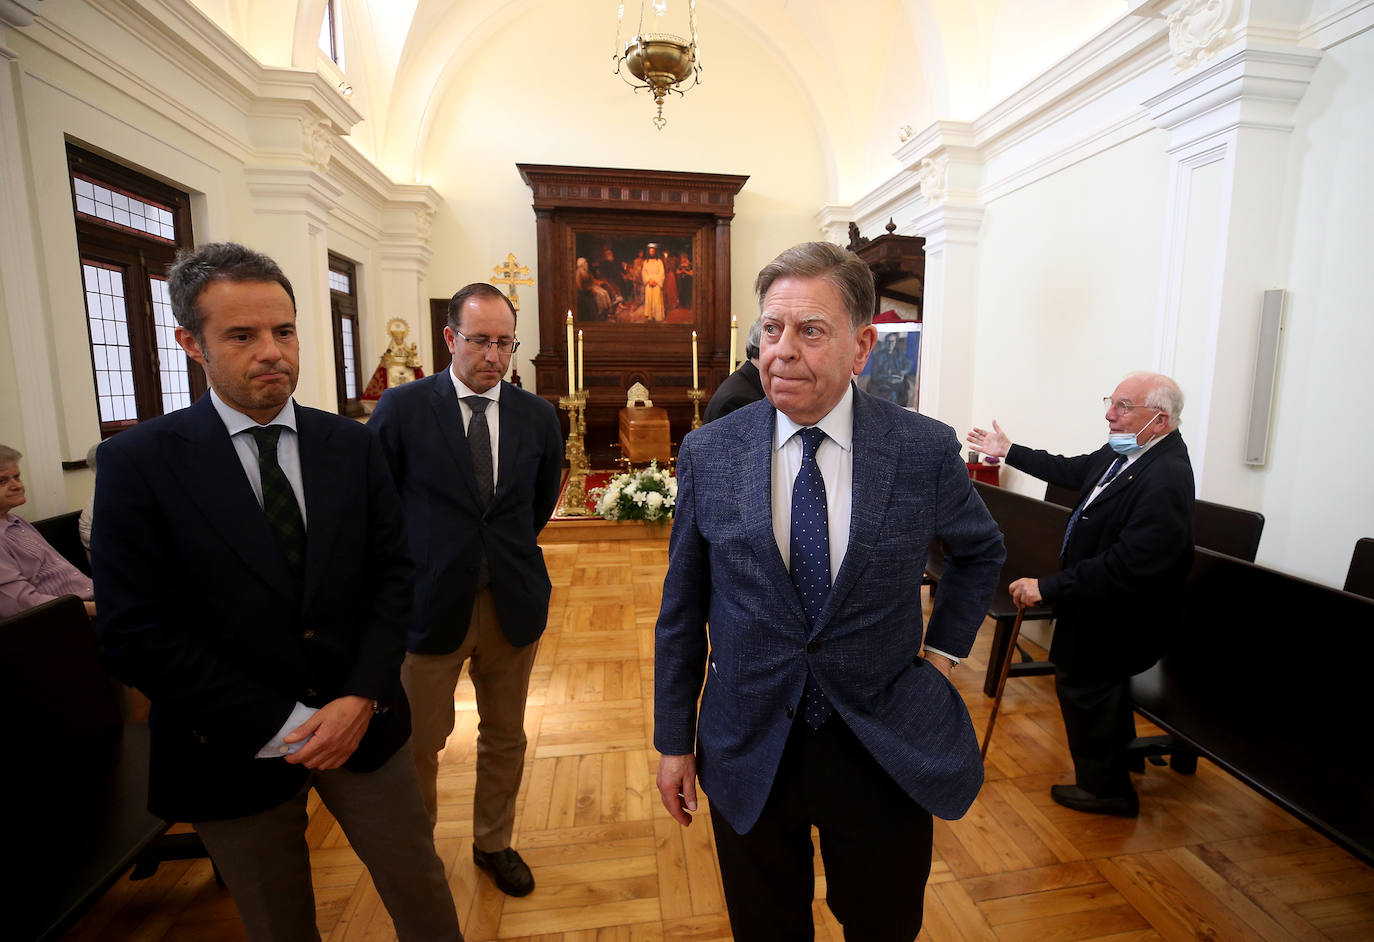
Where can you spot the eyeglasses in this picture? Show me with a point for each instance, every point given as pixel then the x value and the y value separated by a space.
pixel 1122 405
pixel 504 347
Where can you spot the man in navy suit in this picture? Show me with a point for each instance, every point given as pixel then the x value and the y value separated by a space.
pixel 252 579
pixel 802 529
pixel 1126 554
pixel 478 463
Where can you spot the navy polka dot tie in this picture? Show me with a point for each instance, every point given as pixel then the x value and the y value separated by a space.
pixel 809 548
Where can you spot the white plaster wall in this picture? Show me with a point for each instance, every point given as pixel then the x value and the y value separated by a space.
pixel 1067 288
pixel 746 118
pixel 1319 493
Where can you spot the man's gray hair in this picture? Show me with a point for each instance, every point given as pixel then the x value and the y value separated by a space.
pixel 850 275
pixel 194 270
pixel 9 456
pixel 1163 395
pixel 751 343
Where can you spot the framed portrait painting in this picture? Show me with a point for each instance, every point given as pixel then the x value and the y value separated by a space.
pixel 893 371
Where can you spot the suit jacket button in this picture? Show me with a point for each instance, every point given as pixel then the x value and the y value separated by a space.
pixel 308 634
pixel 813 647
pixel 310 691
pixel 789 711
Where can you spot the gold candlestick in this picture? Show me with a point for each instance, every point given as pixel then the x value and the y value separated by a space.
pixel 575 494
pixel 696 395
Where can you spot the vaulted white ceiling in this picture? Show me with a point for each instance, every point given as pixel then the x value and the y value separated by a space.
pixel 863 68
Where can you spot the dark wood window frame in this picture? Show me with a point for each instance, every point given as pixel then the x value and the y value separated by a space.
pixel 139 257
pixel 343 307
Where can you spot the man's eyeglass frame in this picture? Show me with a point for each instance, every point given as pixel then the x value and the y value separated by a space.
pixel 504 347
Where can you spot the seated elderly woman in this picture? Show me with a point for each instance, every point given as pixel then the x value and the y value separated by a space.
pixel 31 571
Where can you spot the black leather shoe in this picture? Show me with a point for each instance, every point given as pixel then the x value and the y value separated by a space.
pixel 1080 799
pixel 508 871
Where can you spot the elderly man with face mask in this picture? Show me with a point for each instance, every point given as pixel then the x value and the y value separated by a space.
pixel 1126 552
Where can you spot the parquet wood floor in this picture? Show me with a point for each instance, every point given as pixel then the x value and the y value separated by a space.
pixel 1207 859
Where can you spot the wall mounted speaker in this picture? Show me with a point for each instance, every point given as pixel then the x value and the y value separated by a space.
pixel 1266 374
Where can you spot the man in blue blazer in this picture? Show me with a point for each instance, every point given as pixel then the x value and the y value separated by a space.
pixel 1126 555
pixel 478 463
pixel 252 579
pixel 801 534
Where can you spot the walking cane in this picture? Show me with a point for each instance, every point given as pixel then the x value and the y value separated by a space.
pixel 1002 681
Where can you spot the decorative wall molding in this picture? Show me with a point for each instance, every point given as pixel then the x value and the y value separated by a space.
pixel 1257 88
pixel 19 12
pixel 1106 92
pixel 1199 28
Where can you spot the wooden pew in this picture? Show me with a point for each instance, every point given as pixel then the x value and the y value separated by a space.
pixel 1266 675
pixel 1033 531
pixel 1359 578
pixel 78 784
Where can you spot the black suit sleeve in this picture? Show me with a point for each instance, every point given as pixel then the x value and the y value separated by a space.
pixel 1056 469
pixel 550 475
pixel 382 644
pixel 149 624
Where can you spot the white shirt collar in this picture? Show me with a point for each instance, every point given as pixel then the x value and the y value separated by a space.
pixel 838 424
pixel 235 421
pixel 494 393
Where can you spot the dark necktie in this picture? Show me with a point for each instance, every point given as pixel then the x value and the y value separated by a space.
pixel 279 502
pixel 809 548
pixel 1078 511
pixel 479 443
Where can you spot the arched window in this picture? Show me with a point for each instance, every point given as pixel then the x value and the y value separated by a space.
pixel 331 34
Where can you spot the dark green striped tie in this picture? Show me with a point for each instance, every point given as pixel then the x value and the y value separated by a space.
pixel 279 502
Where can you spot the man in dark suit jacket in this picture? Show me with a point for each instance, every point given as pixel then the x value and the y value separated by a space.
pixel 478 463
pixel 744 385
pixel 1126 554
pixel 252 580
pixel 801 533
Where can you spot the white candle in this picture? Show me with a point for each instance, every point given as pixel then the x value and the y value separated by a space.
pixel 572 386
pixel 695 383
pixel 581 379
pixel 734 339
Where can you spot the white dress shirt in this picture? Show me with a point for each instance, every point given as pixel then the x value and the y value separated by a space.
pixel 835 455
pixel 493 418
pixel 1130 460
pixel 240 428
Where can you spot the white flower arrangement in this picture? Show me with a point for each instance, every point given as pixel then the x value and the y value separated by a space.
pixel 647 494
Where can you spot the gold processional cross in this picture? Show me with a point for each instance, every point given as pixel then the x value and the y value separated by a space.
pixel 507 275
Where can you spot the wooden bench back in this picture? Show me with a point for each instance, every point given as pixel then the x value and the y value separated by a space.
pixel 50 667
pixel 1359 578
pixel 1033 531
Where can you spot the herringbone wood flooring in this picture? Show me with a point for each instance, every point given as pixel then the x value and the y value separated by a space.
pixel 1207 859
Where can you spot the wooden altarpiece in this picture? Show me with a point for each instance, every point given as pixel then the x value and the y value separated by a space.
pixel 582 207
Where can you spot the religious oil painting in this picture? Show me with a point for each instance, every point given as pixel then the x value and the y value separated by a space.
pixel 893 370
pixel 634 278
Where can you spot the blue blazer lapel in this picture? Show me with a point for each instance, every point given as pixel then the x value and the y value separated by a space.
pixel 217 486
pixel 875 465
pixel 450 420
pixel 754 469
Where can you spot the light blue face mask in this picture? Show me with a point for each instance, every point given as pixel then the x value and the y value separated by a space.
pixel 1124 443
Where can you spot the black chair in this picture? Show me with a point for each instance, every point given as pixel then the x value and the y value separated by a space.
pixel 1359 579
pixel 63 534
